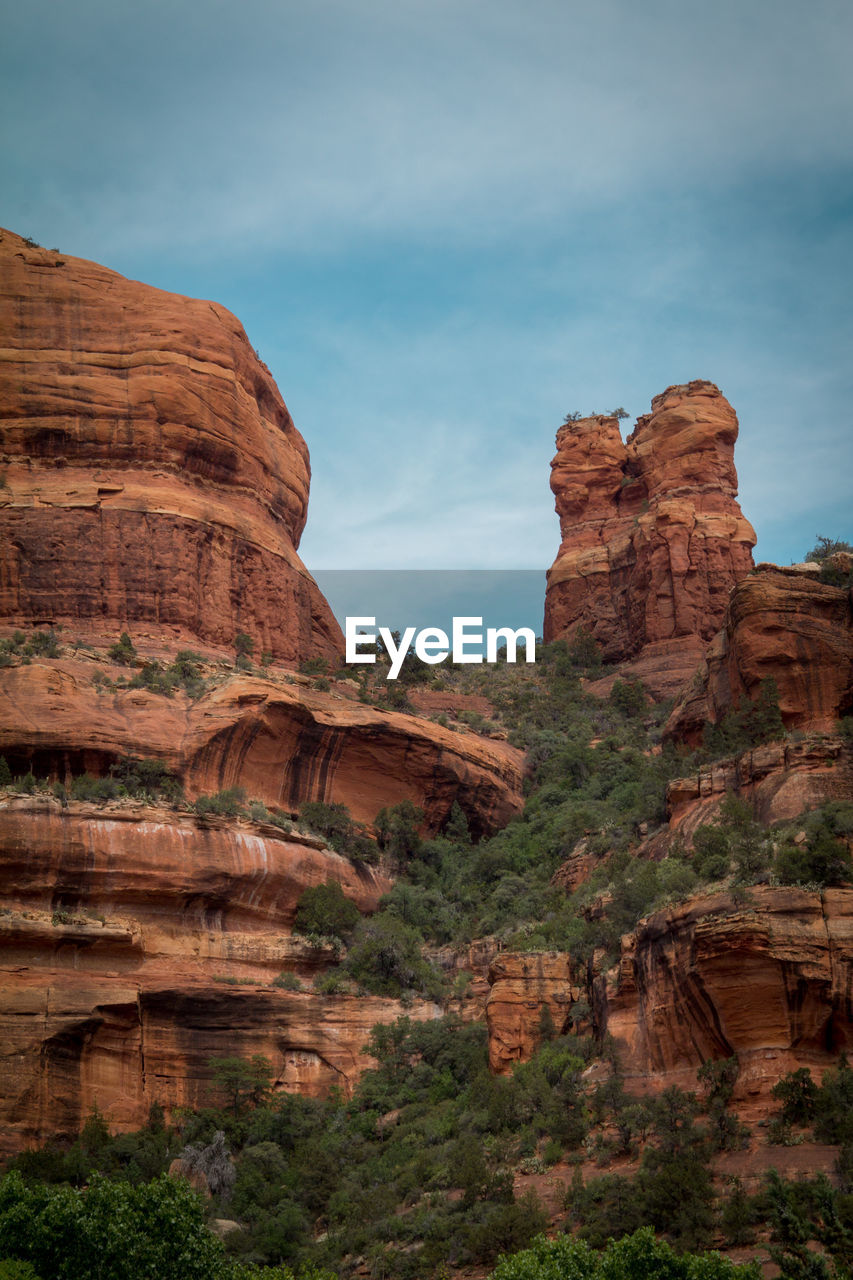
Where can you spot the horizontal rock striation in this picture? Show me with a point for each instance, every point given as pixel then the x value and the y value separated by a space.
pixel 768 979
pixel 527 991
pixel 781 624
pixel 653 538
pixel 153 475
pixel 282 742
pixel 137 943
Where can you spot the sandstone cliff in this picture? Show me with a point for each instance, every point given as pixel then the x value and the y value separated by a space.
pixel 153 477
pixel 653 538
pixel 136 943
pixel 679 993
pixel 282 742
pixel 678 996
pixel 781 624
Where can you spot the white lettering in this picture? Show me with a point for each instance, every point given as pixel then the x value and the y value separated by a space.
pixel 432 645
pixel 396 655
pixel 461 637
pixel 355 636
pixel 511 637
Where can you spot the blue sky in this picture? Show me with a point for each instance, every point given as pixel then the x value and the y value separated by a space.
pixel 444 225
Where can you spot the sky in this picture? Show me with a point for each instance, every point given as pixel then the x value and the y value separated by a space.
pixel 447 223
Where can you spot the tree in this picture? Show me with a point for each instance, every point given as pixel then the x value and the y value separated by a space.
pixel 826 547
pixel 385 957
pixel 109 1230
pixel 324 910
pixel 242 1082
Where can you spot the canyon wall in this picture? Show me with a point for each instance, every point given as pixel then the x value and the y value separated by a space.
pixel 653 538
pixel 781 624
pixel 153 478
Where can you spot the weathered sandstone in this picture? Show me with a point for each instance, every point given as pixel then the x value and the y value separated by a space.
pixel 153 475
pixel 136 943
pixel 282 742
pixel 768 979
pixel 780 780
pixel 784 625
pixel 523 987
pixel 653 538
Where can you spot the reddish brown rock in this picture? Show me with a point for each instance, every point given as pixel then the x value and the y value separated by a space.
pixel 137 943
pixel 653 538
pixel 768 979
pixel 780 780
pixel 282 742
pixel 780 624
pixel 153 475
pixel 524 985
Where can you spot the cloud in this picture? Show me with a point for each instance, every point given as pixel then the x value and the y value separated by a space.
pixel 308 125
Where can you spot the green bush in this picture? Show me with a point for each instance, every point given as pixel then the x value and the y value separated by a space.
pixel 227 804
pixel 385 958
pixel 639 1256
pixel 109 1230
pixel 123 651
pixel 324 910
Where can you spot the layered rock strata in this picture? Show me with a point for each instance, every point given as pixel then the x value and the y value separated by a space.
pixel 653 538
pixel 780 780
pixel 768 979
pixel 153 477
pixel 136 943
pixel 784 625
pixel 678 997
pixel 530 995
pixel 282 742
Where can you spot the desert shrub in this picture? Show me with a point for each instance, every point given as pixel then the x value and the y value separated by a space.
pixel 324 910
pixel 397 830
pixel 228 803
pixel 385 958
pixel 288 982
pixel 213 1161
pixel 823 860
pixel 638 1256
pixel 123 651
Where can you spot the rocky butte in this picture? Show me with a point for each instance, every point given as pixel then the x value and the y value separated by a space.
pixel 154 480
pixel 154 483
pixel 653 538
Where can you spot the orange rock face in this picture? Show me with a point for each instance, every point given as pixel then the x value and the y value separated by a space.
pixel 523 986
pixel 653 538
pixel 137 943
pixel 780 780
pixel 679 995
pixel 768 980
pixel 153 476
pixel 780 624
pixel 282 742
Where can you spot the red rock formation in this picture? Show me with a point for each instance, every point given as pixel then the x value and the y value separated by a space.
pixel 284 743
pixel 137 943
pixel 652 536
pixel 767 979
pixel 523 987
pixel 780 780
pixel 780 624
pixel 153 475
pixel 678 996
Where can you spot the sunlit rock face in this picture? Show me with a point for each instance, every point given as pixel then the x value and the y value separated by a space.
pixel 154 480
pixel 653 538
